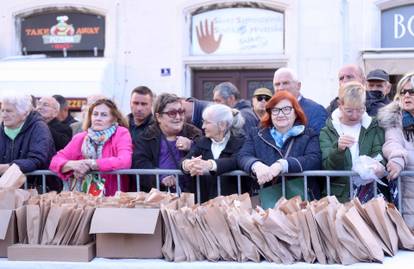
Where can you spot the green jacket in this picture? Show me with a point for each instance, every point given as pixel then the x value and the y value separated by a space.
pixel 371 139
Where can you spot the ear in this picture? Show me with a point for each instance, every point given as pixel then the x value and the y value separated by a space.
pixel 157 116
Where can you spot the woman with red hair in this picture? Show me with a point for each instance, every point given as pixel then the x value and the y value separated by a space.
pixel 283 144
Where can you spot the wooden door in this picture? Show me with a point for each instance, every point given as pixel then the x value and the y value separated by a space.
pixel 246 81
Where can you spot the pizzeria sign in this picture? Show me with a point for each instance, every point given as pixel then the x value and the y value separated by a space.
pixel 63 30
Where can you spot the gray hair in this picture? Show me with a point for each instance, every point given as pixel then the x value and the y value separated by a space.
pixel 22 103
pixel 231 117
pixel 227 89
pixel 288 70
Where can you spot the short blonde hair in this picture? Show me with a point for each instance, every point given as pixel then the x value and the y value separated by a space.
pixel 409 77
pixel 352 93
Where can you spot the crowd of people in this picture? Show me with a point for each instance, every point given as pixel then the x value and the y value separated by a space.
pixel 272 134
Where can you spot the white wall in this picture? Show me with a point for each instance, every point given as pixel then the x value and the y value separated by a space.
pixel 144 36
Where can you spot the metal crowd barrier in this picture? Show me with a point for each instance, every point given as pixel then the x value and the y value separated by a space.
pixel 158 172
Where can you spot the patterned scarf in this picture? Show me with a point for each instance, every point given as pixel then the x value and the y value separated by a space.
pixel 92 147
pixel 408 125
pixel 280 138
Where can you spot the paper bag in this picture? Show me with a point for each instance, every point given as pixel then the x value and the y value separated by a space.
pixel 13 178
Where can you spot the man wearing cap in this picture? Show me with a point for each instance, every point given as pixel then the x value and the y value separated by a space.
pixel 378 87
pixel 285 79
pixel 260 98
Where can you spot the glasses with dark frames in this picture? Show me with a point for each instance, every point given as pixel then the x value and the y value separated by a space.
pixel 173 113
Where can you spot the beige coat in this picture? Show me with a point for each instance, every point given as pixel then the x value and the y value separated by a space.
pixel 398 149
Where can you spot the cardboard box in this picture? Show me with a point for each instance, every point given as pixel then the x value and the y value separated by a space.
pixel 26 252
pixel 8 230
pixel 127 232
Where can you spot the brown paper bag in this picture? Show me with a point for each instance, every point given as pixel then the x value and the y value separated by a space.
pixel 405 237
pixel 299 219
pixel 218 225
pixel 179 254
pixel 167 247
pixel 62 226
pixel 51 224
pixel 250 230
pixel 21 219
pixel 81 235
pixel 7 199
pixel 272 241
pixel 376 210
pixel 13 178
pixel 351 251
pixel 355 222
pixel 33 223
pixel 72 226
pixel 315 236
pixel 247 249
pixel 210 243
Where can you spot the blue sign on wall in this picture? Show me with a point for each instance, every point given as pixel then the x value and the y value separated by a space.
pixel 397 27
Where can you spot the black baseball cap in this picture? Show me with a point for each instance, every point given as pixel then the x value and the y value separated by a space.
pixel 378 74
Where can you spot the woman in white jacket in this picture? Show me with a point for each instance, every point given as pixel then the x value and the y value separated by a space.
pixel 397 119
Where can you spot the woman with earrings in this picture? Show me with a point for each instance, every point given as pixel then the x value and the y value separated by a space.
pixel 215 152
pixel 397 119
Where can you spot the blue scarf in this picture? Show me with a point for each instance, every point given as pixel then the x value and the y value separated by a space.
pixel 280 138
pixel 408 125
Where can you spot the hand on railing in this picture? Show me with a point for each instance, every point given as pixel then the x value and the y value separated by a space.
pixel 263 172
pixel 168 181
pixel 394 170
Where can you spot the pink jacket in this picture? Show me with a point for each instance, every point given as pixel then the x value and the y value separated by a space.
pixel 116 154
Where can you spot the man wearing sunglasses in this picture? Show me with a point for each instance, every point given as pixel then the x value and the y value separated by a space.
pixel 260 98
pixel 286 79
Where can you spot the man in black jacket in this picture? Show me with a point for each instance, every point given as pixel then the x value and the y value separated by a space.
pixel 378 87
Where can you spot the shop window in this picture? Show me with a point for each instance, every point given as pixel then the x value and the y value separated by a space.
pixel 240 29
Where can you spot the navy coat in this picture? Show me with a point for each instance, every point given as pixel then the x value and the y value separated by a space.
pixel 305 153
pixel 33 147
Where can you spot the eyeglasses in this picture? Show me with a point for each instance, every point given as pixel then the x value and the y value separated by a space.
pixel 409 91
pixel 173 113
pixel 285 110
pixel 262 97
pixel 349 111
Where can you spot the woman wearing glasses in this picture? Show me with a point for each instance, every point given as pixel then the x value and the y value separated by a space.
pixel 398 121
pixel 348 134
pixel 165 142
pixel 104 146
pixel 282 145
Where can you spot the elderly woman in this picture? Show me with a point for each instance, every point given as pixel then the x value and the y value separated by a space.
pixel 25 138
pixel 165 142
pixel 397 119
pixel 283 144
pixel 348 134
pixel 105 145
pixel 215 153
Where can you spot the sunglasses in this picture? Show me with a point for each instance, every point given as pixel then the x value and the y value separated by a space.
pixel 409 91
pixel 262 97
pixel 173 113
